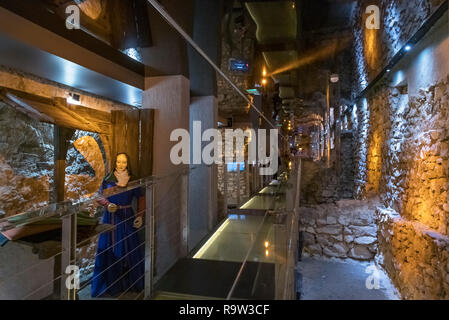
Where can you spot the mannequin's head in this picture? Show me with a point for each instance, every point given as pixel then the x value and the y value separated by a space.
pixel 122 163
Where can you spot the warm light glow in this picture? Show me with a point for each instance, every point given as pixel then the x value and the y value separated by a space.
pixel 70 100
pixel 319 54
pixel 264 81
pixel 267 253
pixel 290 165
pixel 200 252
pixel 267 244
pixel 264 72
pixel 334 78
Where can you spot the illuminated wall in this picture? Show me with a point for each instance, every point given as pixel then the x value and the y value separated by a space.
pixel 402 156
pixel 399 20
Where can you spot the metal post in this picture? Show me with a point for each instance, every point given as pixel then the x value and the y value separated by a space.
pixel 248 191
pixel 225 189
pixel 184 198
pixel 68 255
pixel 298 184
pixel 253 179
pixel 258 177
pixel 149 240
pixel 238 184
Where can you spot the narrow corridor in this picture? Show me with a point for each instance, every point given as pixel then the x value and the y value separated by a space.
pixel 224 149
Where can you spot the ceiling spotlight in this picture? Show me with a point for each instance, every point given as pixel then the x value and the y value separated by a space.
pixel 388 70
pixel 334 78
pixel 74 99
pixel 408 47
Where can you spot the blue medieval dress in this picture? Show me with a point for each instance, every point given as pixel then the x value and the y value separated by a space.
pixel 119 264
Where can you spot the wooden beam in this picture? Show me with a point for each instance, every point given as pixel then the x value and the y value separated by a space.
pixel 61 104
pixel 57 111
pixel 126 136
pixel 61 140
pixel 24 108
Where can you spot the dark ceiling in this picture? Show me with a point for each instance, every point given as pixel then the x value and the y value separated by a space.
pixel 287 31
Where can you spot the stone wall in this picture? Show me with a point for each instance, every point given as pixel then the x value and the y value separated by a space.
pixel 229 100
pixel 233 187
pixel 26 162
pixel 407 164
pixel 399 20
pixel 327 185
pixel 402 150
pixel 345 229
pixel 238 42
pixel 415 256
pixel 407 153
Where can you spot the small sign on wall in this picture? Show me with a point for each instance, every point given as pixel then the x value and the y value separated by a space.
pixel 238 65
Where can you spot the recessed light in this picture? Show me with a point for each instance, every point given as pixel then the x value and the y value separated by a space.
pixel 408 47
pixel 74 98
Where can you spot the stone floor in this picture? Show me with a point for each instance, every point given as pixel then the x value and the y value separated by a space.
pixel 334 279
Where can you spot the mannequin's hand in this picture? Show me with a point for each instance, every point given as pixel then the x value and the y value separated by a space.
pixel 138 222
pixel 112 208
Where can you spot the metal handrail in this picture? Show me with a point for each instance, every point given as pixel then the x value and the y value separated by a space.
pixel 292 242
pixel 68 210
pixel 69 207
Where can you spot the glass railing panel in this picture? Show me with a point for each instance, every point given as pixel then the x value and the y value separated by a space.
pixel 269 278
pixel 234 238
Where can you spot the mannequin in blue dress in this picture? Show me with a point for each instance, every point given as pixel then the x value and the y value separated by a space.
pixel 119 264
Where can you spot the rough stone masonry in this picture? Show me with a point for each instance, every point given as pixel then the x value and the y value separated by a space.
pixel 402 151
pixel 344 229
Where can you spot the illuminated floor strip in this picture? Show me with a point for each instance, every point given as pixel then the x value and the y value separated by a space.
pixel 200 252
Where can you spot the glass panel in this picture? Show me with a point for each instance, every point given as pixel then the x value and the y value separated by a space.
pixel 270 277
pixel 233 240
pixel 264 202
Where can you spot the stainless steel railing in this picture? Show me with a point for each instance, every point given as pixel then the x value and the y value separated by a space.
pixel 65 251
